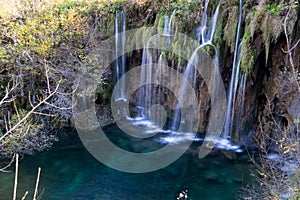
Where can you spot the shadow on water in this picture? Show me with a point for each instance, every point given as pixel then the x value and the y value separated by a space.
pixel 69 172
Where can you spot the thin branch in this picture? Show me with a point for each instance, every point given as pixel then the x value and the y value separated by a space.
pixel 16 177
pixel 44 114
pixel 288 44
pixel 29 99
pixel 26 132
pixel 57 107
pixel 70 93
pixel 3 169
pixel 284 51
pixel 37 184
pixel 7 92
pixel 25 195
pixel 47 77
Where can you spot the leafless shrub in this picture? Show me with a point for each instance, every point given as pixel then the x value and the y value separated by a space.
pixel 278 139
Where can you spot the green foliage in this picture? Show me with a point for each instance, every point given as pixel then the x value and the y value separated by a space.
pixel 268 17
pixel 40 34
pixel 248 52
pixel 219 37
pixel 188 13
pixel 66 6
pixel 274 8
pixel 297 121
pixel 4 56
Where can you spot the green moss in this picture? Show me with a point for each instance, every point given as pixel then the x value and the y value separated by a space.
pixel 248 52
pixel 274 8
pixel 218 35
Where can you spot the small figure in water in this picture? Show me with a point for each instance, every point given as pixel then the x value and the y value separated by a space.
pixel 183 195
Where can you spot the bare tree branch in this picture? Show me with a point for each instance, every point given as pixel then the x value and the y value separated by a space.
pixel 30 112
pixel 8 91
pixel 3 169
pixel 16 177
pixel 37 184
pixel 25 195
pixel 290 49
pixel 60 108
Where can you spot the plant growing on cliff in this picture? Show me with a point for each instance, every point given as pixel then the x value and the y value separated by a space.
pixel 231 26
pixel 248 52
pixel 268 18
pixel 278 137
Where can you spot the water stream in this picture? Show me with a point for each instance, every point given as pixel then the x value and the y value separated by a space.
pixel 234 80
pixel 149 94
pixel 205 34
pixel 120 63
pixel 146 95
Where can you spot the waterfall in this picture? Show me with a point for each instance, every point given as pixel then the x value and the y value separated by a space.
pixel 204 34
pixel 148 80
pixel 190 71
pixel 161 62
pixel 145 94
pixel 149 94
pixel 170 22
pixel 123 57
pixel 234 80
pixel 141 98
pixel 157 98
pixel 120 42
pixel 166 26
pixel 182 89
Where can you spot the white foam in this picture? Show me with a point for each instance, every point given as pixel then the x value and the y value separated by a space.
pixel 225 144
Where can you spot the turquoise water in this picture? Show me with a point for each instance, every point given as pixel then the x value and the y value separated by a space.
pixel 69 172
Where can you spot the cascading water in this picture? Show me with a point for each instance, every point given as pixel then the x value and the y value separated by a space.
pixel 120 42
pixel 145 94
pixel 151 93
pixel 161 62
pixel 141 98
pixel 204 35
pixel 170 22
pixel 166 25
pixel 148 80
pixel 234 81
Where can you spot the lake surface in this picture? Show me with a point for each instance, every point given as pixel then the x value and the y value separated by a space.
pixel 69 172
